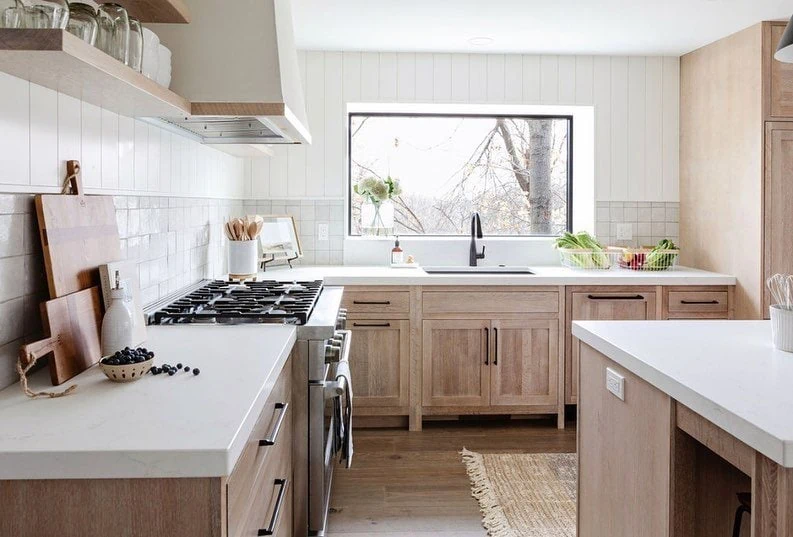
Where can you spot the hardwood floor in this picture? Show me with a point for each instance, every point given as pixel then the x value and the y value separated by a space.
pixel 406 484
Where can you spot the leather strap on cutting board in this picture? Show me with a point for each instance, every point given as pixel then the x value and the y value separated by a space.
pixel 74 324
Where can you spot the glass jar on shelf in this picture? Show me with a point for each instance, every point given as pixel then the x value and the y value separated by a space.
pixel 135 55
pixel 11 13
pixel 44 14
pixel 114 30
pixel 82 22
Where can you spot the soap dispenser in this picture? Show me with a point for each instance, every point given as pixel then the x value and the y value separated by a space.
pixel 397 255
pixel 117 323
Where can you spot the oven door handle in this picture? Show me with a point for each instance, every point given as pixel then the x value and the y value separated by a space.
pixel 337 388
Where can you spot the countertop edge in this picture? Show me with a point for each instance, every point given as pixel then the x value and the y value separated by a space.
pixel 138 464
pixel 776 449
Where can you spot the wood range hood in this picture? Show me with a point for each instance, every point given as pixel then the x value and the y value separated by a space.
pixel 236 62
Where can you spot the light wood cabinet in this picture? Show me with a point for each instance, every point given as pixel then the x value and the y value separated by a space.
pixel 525 364
pixel 601 304
pixel 734 196
pixel 380 362
pixel 624 454
pixel 780 81
pixel 456 362
pixel 778 205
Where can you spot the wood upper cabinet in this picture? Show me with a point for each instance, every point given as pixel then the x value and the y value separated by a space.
pixel 621 304
pixel 380 362
pixel 525 364
pixel 779 89
pixel 624 454
pixel 456 362
pixel 778 206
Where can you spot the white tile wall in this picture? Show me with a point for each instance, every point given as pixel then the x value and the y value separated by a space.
pixel 175 241
pixel 649 222
pixel 635 99
pixel 41 129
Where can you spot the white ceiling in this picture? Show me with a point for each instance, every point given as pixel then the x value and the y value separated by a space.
pixel 640 27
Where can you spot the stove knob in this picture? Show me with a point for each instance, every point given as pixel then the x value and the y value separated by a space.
pixel 332 352
pixel 338 340
pixel 343 311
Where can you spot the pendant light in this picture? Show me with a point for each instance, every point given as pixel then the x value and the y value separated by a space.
pixel 784 51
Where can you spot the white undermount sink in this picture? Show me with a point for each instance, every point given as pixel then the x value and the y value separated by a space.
pixel 462 269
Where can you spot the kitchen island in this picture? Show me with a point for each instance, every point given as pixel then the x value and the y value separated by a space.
pixel 166 455
pixel 678 418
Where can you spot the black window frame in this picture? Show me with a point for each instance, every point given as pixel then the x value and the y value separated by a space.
pixel 566 117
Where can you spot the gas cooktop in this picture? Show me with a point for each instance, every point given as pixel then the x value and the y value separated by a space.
pixel 223 302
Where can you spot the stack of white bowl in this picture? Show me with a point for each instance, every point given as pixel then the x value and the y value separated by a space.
pixel 156 59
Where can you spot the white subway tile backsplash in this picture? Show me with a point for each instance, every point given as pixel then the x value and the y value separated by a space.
pixel 650 222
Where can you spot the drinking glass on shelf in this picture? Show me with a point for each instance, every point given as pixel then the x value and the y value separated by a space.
pixel 82 22
pixel 11 14
pixel 113 36
pixel 42 14
pixel 135 56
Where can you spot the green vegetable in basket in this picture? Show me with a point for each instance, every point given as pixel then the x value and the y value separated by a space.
pixel 660 258
pixel 584 241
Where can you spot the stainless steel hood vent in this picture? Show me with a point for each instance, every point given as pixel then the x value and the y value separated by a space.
pixel 236 62
pixel 221 130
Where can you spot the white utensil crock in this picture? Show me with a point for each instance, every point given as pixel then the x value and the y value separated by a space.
pixel 782 328
pixel 243 259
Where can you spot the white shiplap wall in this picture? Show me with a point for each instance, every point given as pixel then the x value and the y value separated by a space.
pixel 41 129
pixel 636 102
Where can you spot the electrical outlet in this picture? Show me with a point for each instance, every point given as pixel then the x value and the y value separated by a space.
pixel 615 383
pixel 624 232
pixel 322 232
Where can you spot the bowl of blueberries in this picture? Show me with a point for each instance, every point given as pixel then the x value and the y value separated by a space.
pixel 127 365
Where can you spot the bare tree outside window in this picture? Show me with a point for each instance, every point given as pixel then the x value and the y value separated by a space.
pixel 515 171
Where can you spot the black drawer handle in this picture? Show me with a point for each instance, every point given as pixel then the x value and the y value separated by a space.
pixel 372 302
pixel 495 344
pixel 608 297
pixel 372 325
pixel 700 302
pixel 273 437
pixel 283 483
pixel 487 346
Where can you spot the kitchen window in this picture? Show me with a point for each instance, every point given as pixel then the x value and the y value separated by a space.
pixel 438 169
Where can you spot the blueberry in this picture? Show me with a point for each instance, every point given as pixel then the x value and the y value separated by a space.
pixel 179 365
pixel 187 369
pixel 127 349
pixel 196 371
pixel 171 372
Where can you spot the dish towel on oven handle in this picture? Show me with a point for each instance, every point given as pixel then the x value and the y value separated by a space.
pixel 343 370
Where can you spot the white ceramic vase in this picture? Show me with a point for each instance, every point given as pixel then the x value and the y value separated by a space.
pixel 782 328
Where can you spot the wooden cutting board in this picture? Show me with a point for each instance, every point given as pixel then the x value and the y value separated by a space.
pixel 74 323
pixel 78 233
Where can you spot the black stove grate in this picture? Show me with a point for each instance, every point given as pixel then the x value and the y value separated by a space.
pixel 225 302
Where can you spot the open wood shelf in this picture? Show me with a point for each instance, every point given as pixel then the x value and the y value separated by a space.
pixel 158 10
pixel 60 61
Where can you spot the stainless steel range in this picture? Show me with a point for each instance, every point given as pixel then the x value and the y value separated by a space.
pixel 322 391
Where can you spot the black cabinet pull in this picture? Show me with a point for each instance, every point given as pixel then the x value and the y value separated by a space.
pixel 372 325
pixel 695 302
pixel 487 346
pixel 283 483
pixel 495 343
pixel 372 302
pixel 273 436
pixel 611 297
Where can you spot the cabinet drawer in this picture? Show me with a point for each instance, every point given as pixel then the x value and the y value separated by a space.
pixel 267 504
pixel 696 302
pixel 255 456
pixel 377 301
pixel 493 302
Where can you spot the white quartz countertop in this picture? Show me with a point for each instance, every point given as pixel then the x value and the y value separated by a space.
pixel 726 371
pixel 160 426
pixel 543 275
